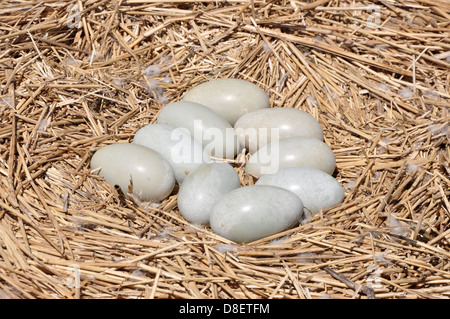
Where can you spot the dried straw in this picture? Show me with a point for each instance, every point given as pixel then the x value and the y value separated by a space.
pixel 78 75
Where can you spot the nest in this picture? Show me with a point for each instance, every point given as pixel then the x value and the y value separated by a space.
pixel 79 75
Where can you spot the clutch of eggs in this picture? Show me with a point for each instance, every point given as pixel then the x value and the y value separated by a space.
pixel 191 142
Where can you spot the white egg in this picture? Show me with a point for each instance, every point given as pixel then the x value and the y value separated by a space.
pixel 288 152
pixel 254 212
pixel 177 145
pixel 317 189
pixel 260 127
pixel 206 126
pixel 203 188
pixel 152 176
pixel 231 98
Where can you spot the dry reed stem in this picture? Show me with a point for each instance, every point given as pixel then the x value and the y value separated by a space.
pixel 76 76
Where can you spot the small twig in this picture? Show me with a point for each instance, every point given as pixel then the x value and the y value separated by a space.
pixel 350 284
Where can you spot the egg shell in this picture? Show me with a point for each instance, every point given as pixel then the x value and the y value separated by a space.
pixel 152 176
pixel 177 145
pixel 203 188
pixel 317 189
pixel 230 98
pixel 293 151
pixel 260 127
pixel 205 125
pixel 253 212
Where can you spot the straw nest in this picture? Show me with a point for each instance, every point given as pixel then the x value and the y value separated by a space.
pixel 78 75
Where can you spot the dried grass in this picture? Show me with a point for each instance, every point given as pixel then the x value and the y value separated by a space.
pixel 381 94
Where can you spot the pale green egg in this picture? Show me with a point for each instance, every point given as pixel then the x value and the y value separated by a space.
pixel 150 174
pixel 317 189
pixel 203 188
pixel 230 98
pixel 177 145
pixel 289 152
pixel 206 126
pixel 253 212
pixel 264 126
